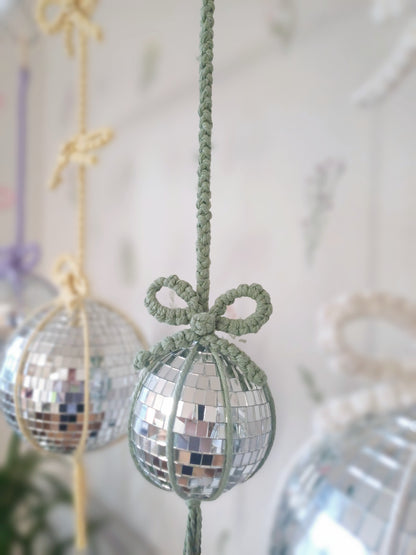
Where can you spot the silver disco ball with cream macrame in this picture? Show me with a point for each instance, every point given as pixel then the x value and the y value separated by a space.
pixel 203 418
pixel 43 377
pixel 354 491
pixel 67 374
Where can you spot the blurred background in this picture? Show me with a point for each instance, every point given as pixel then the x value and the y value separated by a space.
pixel 313 196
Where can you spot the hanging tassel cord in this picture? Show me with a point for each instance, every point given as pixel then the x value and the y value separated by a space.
pixel 80 491
pixel 193 529
pixel 80 496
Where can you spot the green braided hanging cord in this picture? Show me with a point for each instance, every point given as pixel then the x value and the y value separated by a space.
pixel 203 321
pixel 193 529
pixel 203 204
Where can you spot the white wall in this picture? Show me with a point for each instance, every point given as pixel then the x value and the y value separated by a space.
pixel 278 112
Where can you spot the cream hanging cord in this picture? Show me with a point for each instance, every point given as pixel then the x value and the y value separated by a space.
pixel 73 17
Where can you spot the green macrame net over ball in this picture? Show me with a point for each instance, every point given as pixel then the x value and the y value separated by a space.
pixel 203 418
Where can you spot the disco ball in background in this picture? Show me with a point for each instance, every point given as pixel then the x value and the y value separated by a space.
pixel 51 394
pixel 342 498
pixel 201 444
pixel 17 301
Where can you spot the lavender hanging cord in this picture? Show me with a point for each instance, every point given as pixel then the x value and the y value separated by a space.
pixel 19 259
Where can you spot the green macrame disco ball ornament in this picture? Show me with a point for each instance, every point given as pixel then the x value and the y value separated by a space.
pixel 202 418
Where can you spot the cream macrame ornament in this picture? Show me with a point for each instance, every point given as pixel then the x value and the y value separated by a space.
pixel 354 483
pixel 393 380
pixel 67 374
pixel 401 60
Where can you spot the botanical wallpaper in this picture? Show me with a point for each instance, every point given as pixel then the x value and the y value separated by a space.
pixel 312 195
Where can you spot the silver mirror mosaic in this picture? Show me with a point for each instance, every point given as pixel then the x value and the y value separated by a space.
pixel 339 499
pixel 16 303
pixel 200 422
pixel 52 393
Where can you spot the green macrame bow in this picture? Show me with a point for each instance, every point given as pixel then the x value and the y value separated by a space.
pixel 203 325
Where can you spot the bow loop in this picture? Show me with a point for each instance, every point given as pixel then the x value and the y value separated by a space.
pixel 17 260
pixel 72 283
pixel 173 316
pixel 73 14
pixel 252 323
pixel 206 323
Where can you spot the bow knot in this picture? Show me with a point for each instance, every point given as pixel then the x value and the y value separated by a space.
pixel 71 281
pixel 79 150
pixel 73 14
pixel 18 260
pixel 203 323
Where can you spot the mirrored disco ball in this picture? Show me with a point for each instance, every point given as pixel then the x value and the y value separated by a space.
pixel 17 301
pixel 200 424
pixel 340 498
pixel 51 397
